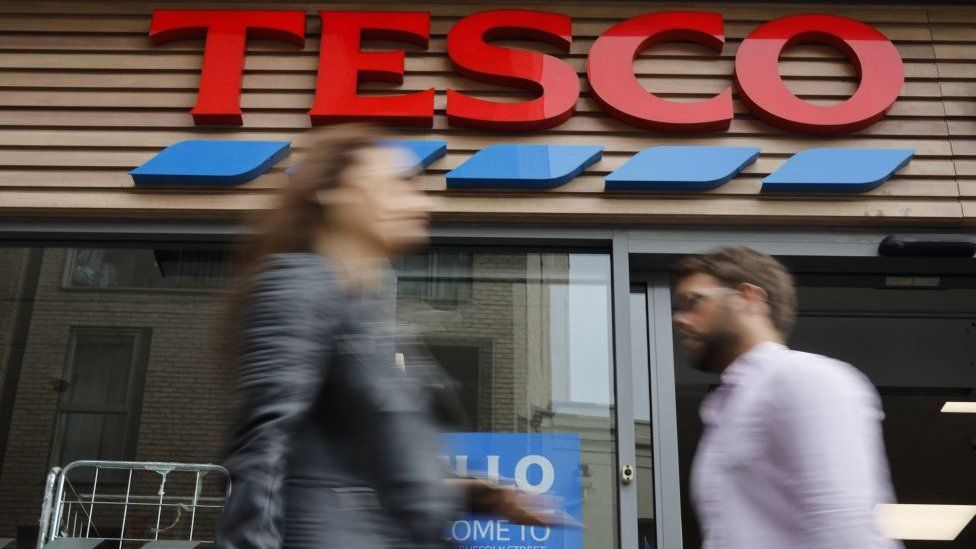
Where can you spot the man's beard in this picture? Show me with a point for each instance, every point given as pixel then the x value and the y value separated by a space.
pixel 714 353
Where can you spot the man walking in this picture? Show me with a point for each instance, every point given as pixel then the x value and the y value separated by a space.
pixel 792 455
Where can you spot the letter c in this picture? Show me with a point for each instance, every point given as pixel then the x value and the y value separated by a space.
pixel 610 70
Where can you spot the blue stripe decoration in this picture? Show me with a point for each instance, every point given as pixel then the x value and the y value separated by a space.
pixel 210 162
pixel 426 152
pixel 536 167
pixel 836 170
pixel 523 166
pixel 681 168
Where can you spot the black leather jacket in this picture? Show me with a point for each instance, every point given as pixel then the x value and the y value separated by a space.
pixel 336 446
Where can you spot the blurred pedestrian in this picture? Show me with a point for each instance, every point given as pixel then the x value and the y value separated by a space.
pixel 792 456
pixel 336 445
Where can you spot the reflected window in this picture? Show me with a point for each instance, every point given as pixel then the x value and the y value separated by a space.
pixel 146 269
pixel 101 395
pixel 579 339
pixel 441 278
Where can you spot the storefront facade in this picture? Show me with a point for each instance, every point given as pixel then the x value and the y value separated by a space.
pixel 545 292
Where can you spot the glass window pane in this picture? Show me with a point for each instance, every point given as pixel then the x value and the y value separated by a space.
pixel 529 343
pixel 526 335
pixel 440 278
pixel 197 268
pixel 100 370
pixel 147 269
pixel 92 436
pixel 75 357
pixel 116 268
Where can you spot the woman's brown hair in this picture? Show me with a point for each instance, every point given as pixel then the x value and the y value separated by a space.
pixel 293 224
pixel 299 216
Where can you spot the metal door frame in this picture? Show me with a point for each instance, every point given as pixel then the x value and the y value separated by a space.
pixel 663 403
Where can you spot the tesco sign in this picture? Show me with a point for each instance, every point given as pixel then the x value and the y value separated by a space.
pixel 609 69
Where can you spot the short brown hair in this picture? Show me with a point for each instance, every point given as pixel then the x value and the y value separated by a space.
pixel 734 265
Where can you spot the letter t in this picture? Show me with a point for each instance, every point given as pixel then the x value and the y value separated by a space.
pixel 219 98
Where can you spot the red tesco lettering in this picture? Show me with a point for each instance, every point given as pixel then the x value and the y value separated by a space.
pixel 343 64
pixel 218 100
pixel 474 58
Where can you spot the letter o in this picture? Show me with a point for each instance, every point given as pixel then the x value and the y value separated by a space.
pixel 761 86
pixel 454 532
pixel 522 479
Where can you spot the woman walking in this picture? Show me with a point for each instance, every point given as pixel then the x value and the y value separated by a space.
pixel 336 446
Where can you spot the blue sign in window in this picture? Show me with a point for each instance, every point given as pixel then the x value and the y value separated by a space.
pixel 544 464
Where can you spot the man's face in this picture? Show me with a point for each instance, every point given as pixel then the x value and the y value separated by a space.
pixel 705 320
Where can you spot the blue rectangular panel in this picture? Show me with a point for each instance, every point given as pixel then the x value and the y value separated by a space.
pixel 544 464
pixel 526 167
pixel 210 162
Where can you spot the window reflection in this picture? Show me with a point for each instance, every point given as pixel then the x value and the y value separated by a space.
pixel 527 338
pixel 115 359
pixel 144 269
pixel 442 279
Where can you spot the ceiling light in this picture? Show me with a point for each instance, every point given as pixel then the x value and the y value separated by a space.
pixel 959 408
pixel 923 522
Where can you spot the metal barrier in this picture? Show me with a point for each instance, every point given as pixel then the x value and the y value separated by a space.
pixel 132 503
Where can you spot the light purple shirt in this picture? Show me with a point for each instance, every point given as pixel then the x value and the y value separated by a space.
pixel 792 456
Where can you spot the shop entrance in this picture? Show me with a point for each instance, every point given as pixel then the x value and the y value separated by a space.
pixel 547 333
pixel 908 325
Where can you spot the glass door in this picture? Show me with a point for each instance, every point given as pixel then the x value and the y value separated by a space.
pixel 914 337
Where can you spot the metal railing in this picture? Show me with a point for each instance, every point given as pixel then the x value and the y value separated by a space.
pixel 132 502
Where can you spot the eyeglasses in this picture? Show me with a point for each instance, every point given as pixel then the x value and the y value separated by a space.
pixel 689 302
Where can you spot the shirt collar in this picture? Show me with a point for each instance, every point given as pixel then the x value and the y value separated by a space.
pixel 749 361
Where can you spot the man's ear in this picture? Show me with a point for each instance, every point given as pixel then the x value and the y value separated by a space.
pixel 753 294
